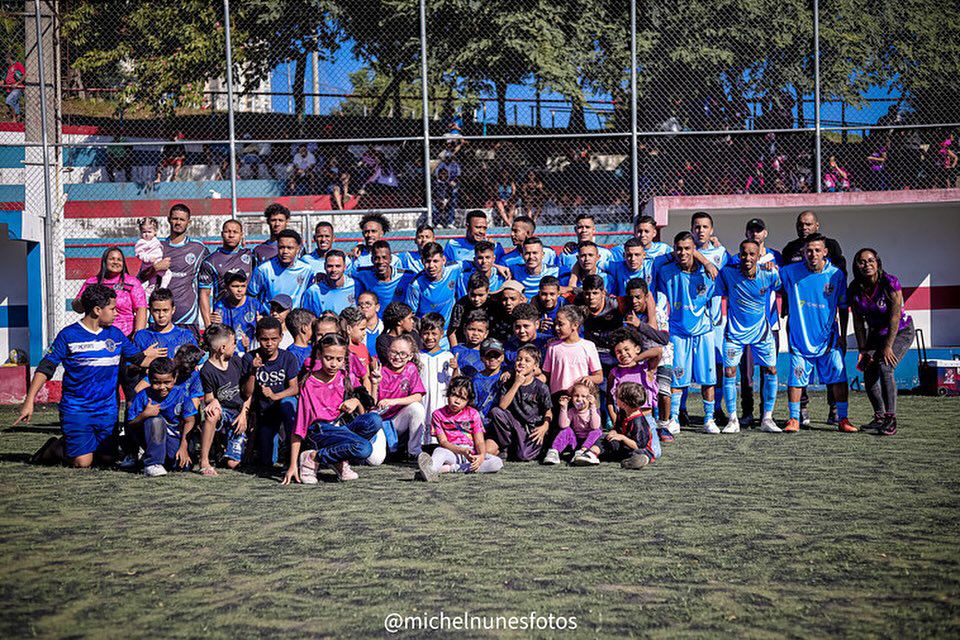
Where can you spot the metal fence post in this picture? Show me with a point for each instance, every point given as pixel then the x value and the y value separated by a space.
pixel 425 104
pixel 231 133
pixel 634 160
pixel 816 95
pixel 48 239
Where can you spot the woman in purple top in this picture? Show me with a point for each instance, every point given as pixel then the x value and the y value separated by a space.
pixel 884 334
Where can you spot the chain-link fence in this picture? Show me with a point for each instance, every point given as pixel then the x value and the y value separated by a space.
pixel 425 109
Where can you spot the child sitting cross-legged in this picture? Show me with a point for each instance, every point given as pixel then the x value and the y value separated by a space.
pixel 633 441
pixel 458 429
pixel 579 426
pixel 520 422
pixel 160 418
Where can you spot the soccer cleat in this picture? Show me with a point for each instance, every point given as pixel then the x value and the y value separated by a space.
pixel 792 426
pixel 552 457
pixel 710 426
pixel 889 427
pixel 344 472
pixel 846 426
pixel 308 467
pixel 665 436
pixel 733 425
pixel 747 421
pixel 684 418
pixel 805 418
pixel 768 425
pixel 154 471
pixel 425 462
pixel 673 427
pixel 635 461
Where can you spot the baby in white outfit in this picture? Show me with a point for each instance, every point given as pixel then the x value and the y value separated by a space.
pixel 149 250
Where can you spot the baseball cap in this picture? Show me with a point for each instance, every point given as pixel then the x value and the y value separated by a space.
pixel 283 301
pixel 756 224
pixel 491 345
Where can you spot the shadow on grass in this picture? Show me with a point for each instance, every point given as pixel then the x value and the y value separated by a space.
pixel 47 427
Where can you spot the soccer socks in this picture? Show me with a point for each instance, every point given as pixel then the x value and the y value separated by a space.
pixel 675 404
pixel 769 393
pixel 683 399
pixel 841 410
pixel 794 410
pixel 730 395
pixel 708 410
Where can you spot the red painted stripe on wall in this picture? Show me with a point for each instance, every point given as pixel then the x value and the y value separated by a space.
pixel 931 298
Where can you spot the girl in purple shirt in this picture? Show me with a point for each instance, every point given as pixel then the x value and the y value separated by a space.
pixel 884 334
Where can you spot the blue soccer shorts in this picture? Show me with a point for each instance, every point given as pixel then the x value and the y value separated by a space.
pixel 830 368
pixel 694 360
pixel 85 433
pixel 764 352
pixel 236 443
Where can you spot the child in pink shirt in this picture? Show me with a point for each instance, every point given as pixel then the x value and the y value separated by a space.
pixel 570 358
pixel 579 426
pixel 399 392
pixel 458 428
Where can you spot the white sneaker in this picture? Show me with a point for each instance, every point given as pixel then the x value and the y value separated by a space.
pixel 344 472
pixel 673 427
pixel 711 427
pixel 427 472
pixel 154 471
pixel 769 426
pixel 590 458
pixel 308 467
pixel 552 457
pixel 733 425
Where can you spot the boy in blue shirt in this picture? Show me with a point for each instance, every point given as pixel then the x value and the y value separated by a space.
pixel 814 292
pixel 299 323
pixel 90 351
pixel 475 331
pixel 160 418
pixel 410 260
pixel 486 383
pixel 689 292
pixel 239 311
pixel 747 290
pixel 484 262
pixel 633 265
pixel 434 290
pixel 533 269
pixel 548 302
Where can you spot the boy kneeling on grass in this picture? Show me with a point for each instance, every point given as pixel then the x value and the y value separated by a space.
pixel 90 352
pixel 633 441
pixel 160 417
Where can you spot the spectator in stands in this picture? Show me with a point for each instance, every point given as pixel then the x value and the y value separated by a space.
pixel 946 176
pixel 131 298
pixel 173 157
pixel 877 162
pixel 505 198
pixel 532 195
pixel 444 198
pixel 14 84
pixel 248 158
pixel 835 178
pixel 302 174
pixel 119 158
pixel 336 184
pixel 278 217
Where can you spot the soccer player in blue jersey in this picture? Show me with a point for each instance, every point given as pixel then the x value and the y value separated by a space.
pixel 533 269
pixel 588 264
pixel 815 291
pixel 384 279
pixel 229 256
pixel 410 260
pixel 633 265
pixel 645 230
pixel 548 302
pixel 689 292
pixel 484 262
pixel 239 311
pixel 756 231
pixel 747 289
pixel 323 238
pixel 585 226
pixel 160 418
pixel 462 249
pixel 90 352
pixel 183 257
pixel 373 226
pixel 333 291
pixel 162 331
pixel 434 290
pixel 524 227
pixel 284 273
pixel 277 217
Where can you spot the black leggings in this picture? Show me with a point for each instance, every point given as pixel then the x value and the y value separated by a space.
pixel 879 377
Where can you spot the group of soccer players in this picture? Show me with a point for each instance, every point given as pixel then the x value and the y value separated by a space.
pixel 646 320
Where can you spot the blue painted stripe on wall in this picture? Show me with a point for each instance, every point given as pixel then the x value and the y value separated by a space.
pixel 35 302
pixel 173 190
pixel 12 157
pixel 14 222
pixel 11 193
pixel 13 316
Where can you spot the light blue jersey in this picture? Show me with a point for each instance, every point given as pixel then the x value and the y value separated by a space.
pixel 387 291
pixel 271 279
pixel 171 340
pixel 719 257
pixel 531 282
pixel 813 299
pixel 748 300
pixel 462 250
pixel 322 296
pixel 619 275
pixel 516 257
pixel 496 280
pixel 654 251
pixel 425 295
pixel 365 261
pixel 91 362
pixel 689 296
pixel 565 261
pixel 771 255
pixel 410 261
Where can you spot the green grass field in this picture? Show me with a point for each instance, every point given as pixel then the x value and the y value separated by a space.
pixel 757 535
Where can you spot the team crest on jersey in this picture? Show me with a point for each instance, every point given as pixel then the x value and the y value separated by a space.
pixel 110 345
pixel 763 291
pixel 827 289
pixel 249 316
pixel 300 279
pixel 701 289
pixel 731 353
pixel 678 372
pixel 245 258
pixel 191 258
pixel 451 285
pixel 798 372
pixel 178 409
